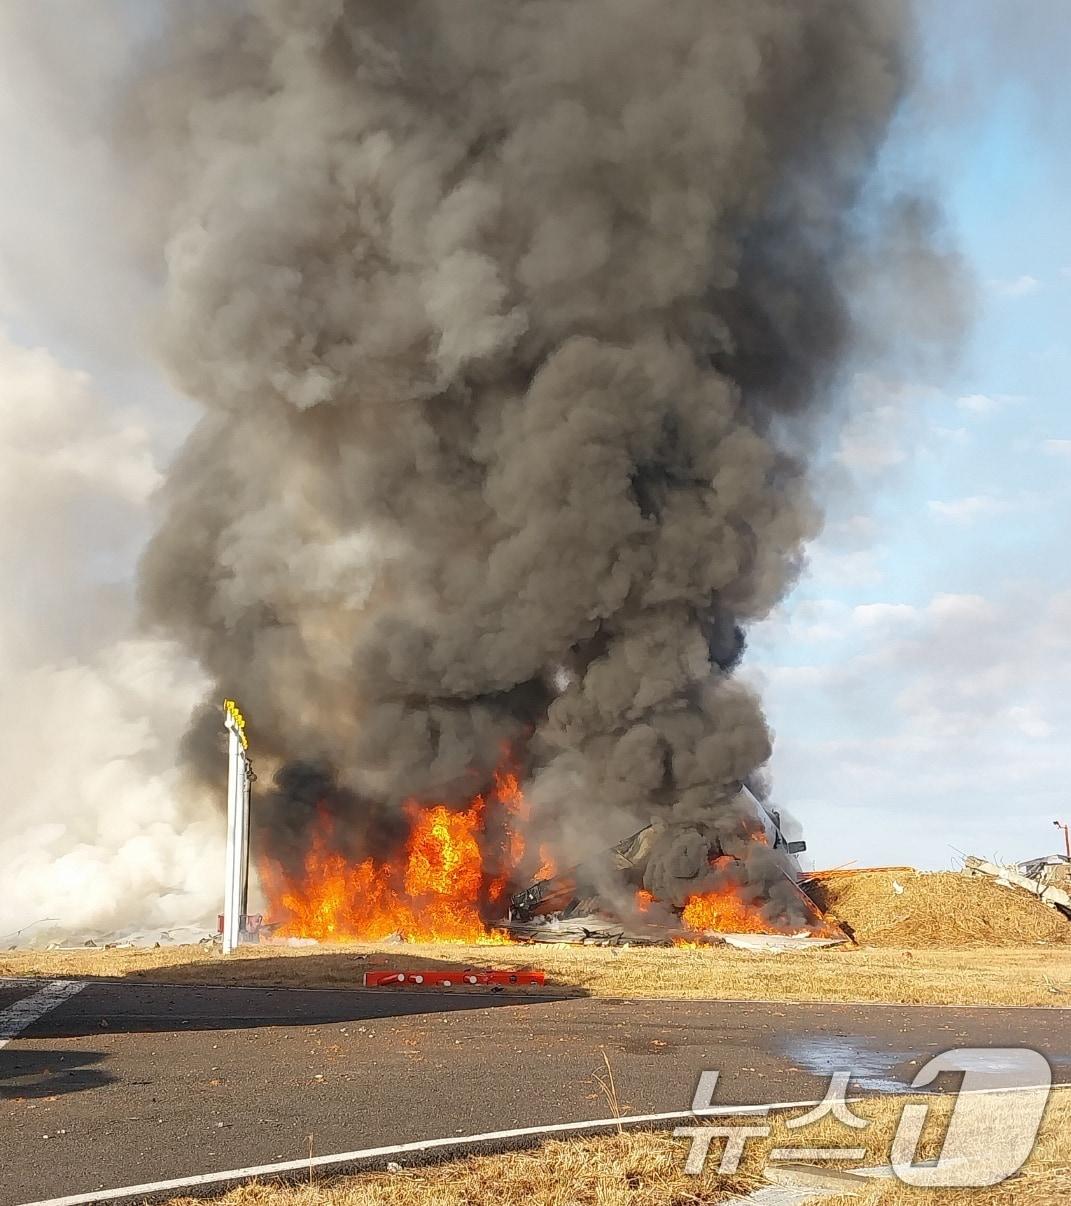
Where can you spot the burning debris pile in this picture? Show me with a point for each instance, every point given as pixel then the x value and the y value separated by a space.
pixel 461 866
pixel 610 899
pixel 513 323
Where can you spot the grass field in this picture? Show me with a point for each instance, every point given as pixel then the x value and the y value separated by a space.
pixel 1021 975
pixel 647 1169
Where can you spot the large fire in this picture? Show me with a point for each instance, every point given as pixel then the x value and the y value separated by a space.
pixel 436 891
pixel 726 910
pixel 456 870
pixel 733 909
pixel 724 913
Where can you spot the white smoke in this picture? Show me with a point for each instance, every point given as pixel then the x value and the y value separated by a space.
pixel 96 834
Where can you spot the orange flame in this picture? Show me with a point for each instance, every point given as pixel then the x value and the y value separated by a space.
pixel 725 913
pixel 548 864
pixel 433 892
pixel 728 910
pixel 457 867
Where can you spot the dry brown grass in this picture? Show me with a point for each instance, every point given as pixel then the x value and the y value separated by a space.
pixel 936 909
pixel 1021 975
pixel 941 939
pixel 647 1169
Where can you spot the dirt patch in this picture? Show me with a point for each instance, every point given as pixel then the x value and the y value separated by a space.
pixel 945 909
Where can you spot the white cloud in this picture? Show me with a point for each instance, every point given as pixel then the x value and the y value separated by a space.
pixel 965 510
pixel 54 427
pixel 806 677
pixel 960 608
pixel 809 622
pixel 1019 286
pixel 854 532
pixel 867 453
pixel 845 570
pixel 987 404
pixel 978 404
pixel 874 615
pixel 1057 447
pixel 948 730
pixel 1030 722
pixel 978 662
pixel 953 435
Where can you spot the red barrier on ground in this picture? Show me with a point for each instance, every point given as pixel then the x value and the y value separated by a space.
pixel 460 977
pixel 516 977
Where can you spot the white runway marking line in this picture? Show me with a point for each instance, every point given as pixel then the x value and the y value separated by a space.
pixel 304 1164
pixel 15 1019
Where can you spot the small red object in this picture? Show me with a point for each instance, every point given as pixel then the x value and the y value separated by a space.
pixel 461 977
pixel 248 923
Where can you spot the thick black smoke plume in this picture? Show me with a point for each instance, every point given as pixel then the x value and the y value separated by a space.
pixel 504 315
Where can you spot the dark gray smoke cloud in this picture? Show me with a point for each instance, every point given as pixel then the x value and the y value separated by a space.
pixel 505 316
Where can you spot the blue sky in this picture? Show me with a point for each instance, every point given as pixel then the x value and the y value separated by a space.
pixel 917 679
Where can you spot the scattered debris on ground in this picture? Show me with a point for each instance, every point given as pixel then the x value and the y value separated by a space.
pixel 51 936
pixel 1052 870
pixel 1045 890
pixel 777 944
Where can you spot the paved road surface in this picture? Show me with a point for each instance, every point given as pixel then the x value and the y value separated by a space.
pixel 125 1083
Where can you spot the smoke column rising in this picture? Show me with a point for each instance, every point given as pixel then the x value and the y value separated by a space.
pixel 510 320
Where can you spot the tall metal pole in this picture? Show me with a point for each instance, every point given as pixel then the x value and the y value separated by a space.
pixel 247 791
pixel 1067 835
pixel 236 878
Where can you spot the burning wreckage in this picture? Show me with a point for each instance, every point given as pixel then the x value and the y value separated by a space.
pixel 456 878
pixel 605 901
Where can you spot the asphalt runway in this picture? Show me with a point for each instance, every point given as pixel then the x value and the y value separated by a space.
pixel 126 1082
